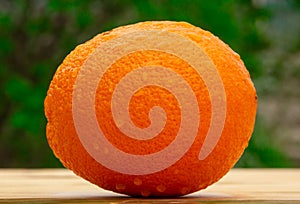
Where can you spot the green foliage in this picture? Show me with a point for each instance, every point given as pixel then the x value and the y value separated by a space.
pixel 35 36
pixel 263 151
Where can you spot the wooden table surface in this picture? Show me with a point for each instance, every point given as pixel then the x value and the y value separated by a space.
pixel 62 186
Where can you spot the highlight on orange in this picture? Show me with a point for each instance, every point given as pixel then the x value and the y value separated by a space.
pixel 155 108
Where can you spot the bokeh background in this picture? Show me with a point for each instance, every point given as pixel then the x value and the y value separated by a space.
pixel 36 35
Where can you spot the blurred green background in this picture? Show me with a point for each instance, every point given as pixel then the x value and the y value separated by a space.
pixel 36 35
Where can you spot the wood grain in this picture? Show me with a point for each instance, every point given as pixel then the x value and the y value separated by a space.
pixel 61 185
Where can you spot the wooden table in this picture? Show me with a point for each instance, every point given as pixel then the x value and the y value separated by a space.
pixel 62 186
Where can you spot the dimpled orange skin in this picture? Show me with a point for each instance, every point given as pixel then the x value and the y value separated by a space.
pixel 187 175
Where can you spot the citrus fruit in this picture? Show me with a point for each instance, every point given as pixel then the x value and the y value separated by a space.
pixel 151 109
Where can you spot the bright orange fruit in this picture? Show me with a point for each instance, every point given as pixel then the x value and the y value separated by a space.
pixel 151 109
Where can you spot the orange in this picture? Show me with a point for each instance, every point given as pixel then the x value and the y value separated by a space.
pixel 151 109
